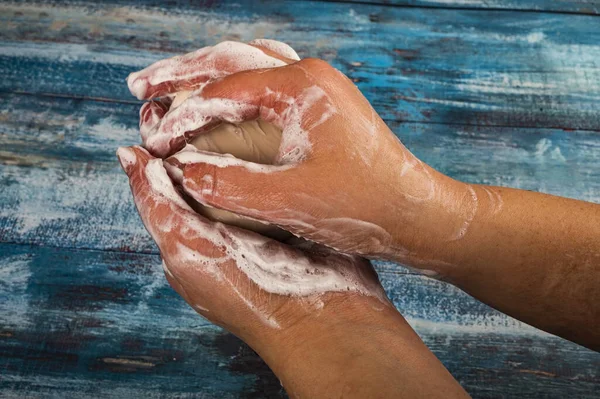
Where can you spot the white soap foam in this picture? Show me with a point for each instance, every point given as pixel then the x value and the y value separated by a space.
pixel 194 114
pixel 201 65
pixel 468 218
pixel 161 185
pixel 191 156
pixel 126 157
pixel 272 266
pixel 277 47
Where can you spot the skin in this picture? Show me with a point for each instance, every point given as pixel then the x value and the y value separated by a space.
pixel 506 247
pixel 310 342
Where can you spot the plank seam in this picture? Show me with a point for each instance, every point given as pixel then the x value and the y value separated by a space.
pixel 134 102
pixel 461 8
pixel 71 97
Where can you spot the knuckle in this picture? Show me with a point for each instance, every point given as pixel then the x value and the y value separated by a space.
pixel 315 64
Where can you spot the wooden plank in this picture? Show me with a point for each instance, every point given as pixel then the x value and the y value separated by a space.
pixel 587 7
pixel 62 185
pixel 590 7
pixel 106 324
pixel 481 67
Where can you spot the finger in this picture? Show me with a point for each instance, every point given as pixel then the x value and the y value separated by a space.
pixel 225 182
pixel 192 70
pixel 281 48
pixel 151 114
pixel 179 232
pixel 286 97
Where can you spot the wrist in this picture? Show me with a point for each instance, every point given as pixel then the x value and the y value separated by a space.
pixel 427 228
pixel 306 320
pixel 324 350
pixel 355 346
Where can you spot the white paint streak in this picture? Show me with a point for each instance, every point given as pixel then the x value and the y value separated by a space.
pixel 453 103
pixel 15 273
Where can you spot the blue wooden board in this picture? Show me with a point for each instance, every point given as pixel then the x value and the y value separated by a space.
pixel 561 6
pixel 106 324
pixel 497 97
pixel 422 65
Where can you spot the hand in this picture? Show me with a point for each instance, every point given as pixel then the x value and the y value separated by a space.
pixel 342 178
pixel 192 71
pixel 236 278
pixel 319 319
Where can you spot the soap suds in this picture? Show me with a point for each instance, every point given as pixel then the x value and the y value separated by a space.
pixel 208 63
pixel 126 157
pixel 160 183
pixel 272 266
pixel 277 47
pixel 471 211
pixel 192 155
pixel 196 114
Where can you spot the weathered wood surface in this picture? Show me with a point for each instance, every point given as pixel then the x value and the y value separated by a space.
pixel 63 187
pixel 106 324
pixel 423 65
pixel 565 6
pixel 506 98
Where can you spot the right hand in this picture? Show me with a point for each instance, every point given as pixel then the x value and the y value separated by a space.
pixel 341 177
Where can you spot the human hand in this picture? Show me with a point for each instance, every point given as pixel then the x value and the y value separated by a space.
pixel 192 71
pixel 341 177
pixel 320 319
pixel 238 279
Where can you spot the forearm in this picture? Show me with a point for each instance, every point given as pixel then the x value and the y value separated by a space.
pixel 353 350
pixel 535 257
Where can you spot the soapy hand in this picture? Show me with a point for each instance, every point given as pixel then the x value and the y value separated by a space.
pixel 236 278
pixel 336 155
pixel 193 71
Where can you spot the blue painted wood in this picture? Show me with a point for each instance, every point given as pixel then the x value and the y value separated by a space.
pixel 566 6
pixel 588 7
pixel 106 324
pixel 50 145
pixel 422 65
pixel 86 311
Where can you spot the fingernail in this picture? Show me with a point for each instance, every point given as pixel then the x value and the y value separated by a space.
pixel 127 158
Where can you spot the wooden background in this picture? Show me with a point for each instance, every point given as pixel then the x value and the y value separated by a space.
pixel 503 92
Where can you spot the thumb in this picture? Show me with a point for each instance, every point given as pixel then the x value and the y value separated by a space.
pixel 225 182
pixel 156 199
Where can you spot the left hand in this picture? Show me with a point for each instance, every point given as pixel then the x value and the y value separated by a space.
pixel 247 283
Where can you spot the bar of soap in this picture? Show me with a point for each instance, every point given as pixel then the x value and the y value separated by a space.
pixel 255 141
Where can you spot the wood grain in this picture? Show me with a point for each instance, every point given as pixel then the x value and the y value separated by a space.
pixel 591 7
pixel 103 324
pixel 485 96
pixel 423 65
pixel 63 186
